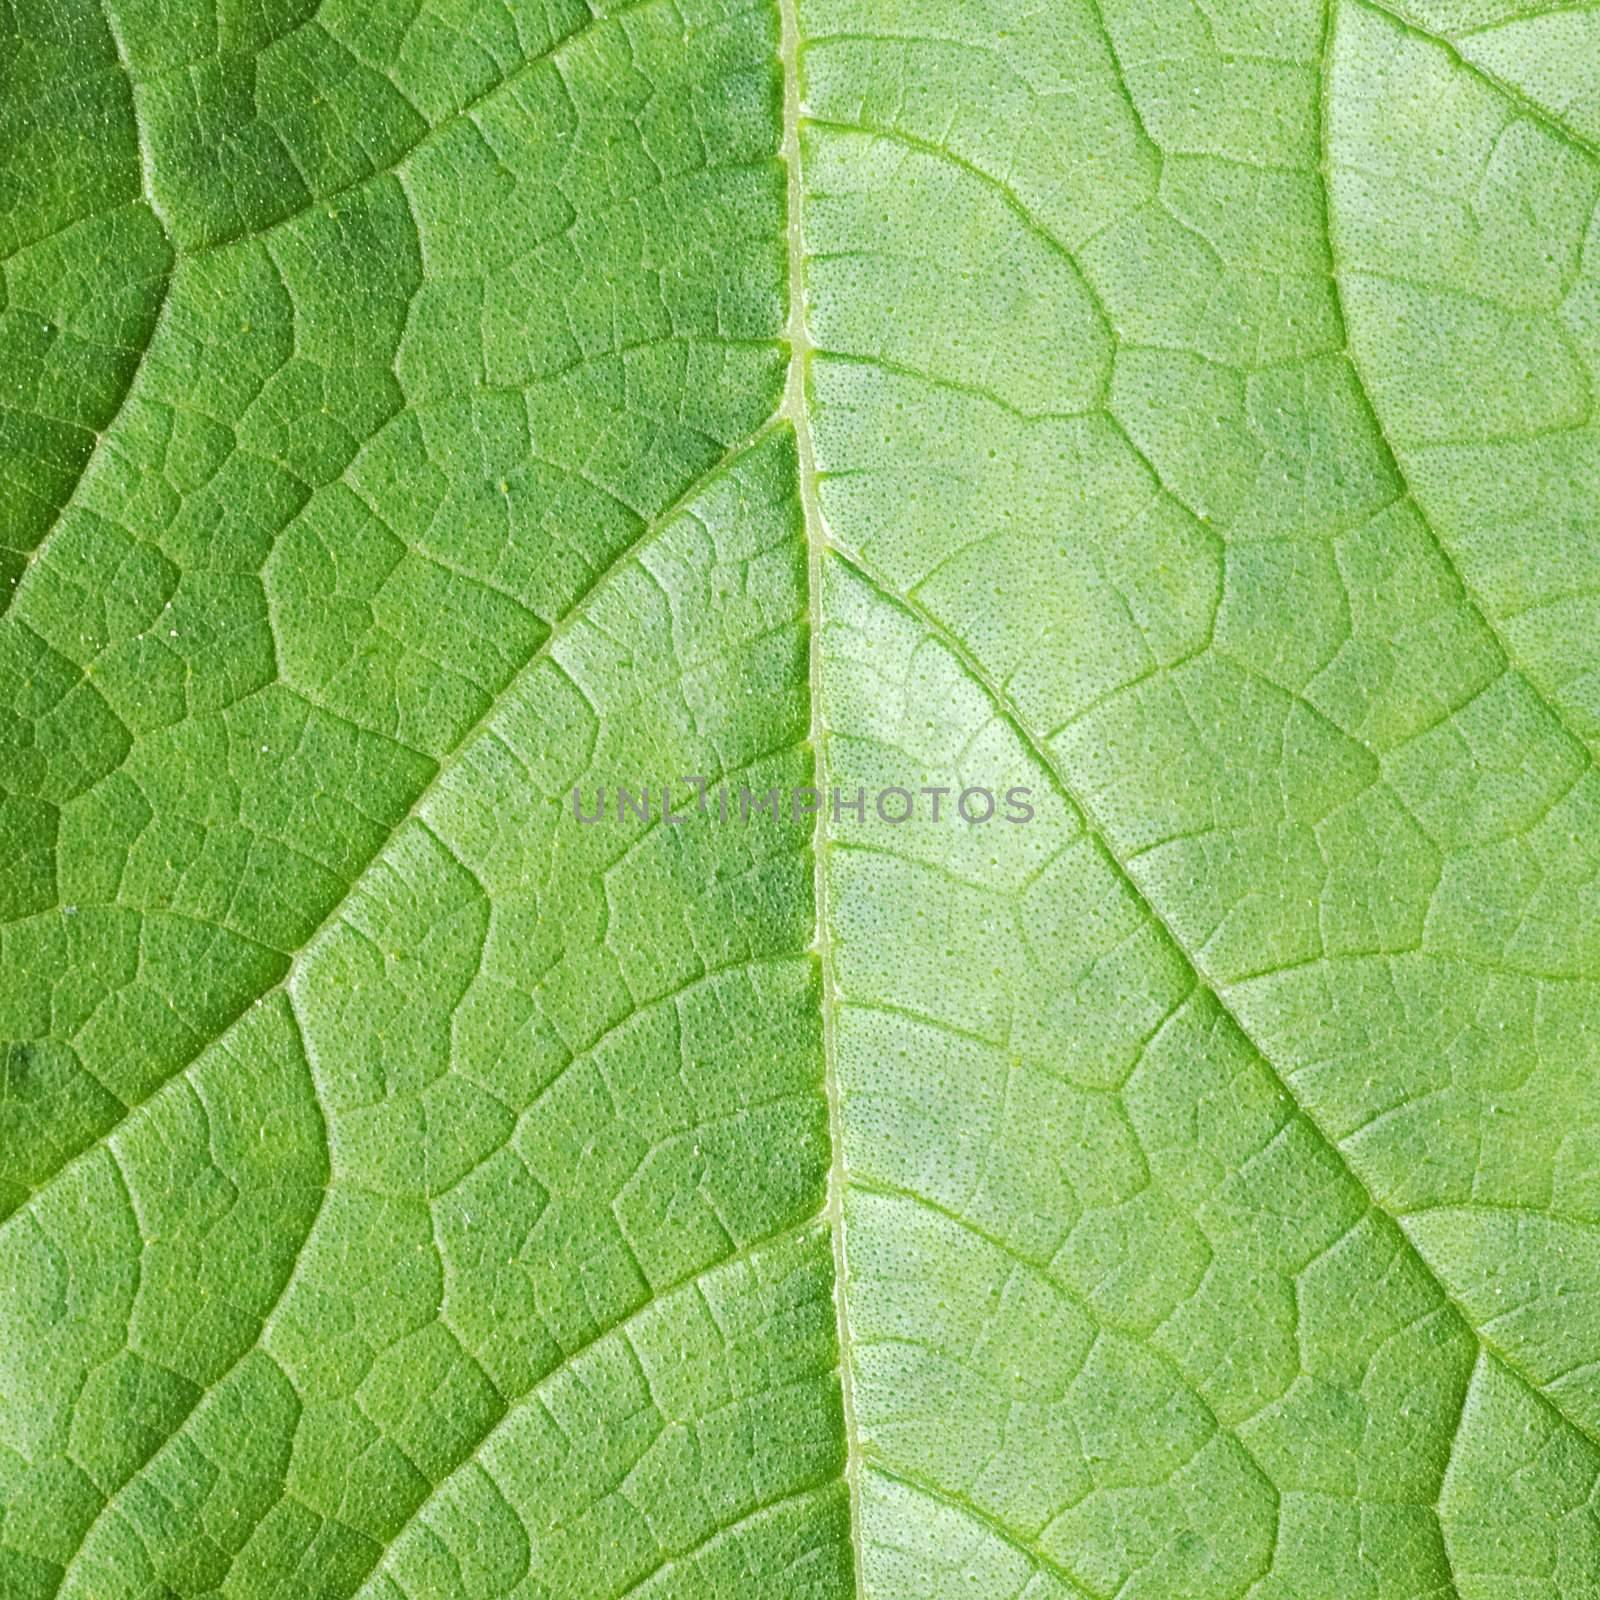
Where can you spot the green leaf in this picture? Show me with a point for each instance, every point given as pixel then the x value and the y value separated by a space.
pixel 416 412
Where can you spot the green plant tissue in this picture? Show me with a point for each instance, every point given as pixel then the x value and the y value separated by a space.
pixel 798 800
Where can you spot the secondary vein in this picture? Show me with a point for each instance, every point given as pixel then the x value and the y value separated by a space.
pixel 416 809
pixel 1212 986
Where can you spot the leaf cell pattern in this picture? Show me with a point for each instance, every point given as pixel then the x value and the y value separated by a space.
pixel 415 411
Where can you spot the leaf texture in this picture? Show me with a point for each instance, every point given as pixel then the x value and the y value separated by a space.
pixel 413 413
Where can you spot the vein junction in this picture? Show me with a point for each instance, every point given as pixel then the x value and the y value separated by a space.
pixel 514 1129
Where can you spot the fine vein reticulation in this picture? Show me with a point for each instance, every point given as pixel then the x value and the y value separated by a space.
pixel 417 414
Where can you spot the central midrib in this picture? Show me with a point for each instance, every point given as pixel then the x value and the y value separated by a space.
pixel 794 408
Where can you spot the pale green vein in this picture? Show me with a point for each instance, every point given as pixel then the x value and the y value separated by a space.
pixel 913 1197
pixel 624 559
pixel 1390 454
pixel 796 408
pixel 462 113
pixel 109 1503
pixel 792 1233
pixel 1069 792
pixel 103 434
pixel 1550 121
pixel 1025 1547
pixel 761 1513
pixel 146 164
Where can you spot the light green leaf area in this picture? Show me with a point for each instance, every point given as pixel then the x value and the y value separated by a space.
pixel 412 410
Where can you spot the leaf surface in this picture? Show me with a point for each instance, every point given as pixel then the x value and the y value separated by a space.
pixel 416 413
